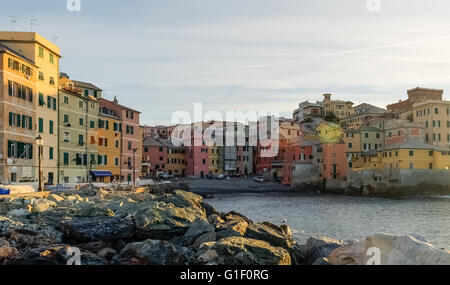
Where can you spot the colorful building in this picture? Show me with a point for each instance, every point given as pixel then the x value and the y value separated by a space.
pixel 109 145
pixel 45 56
pixel 18 155
pixel 77 132
pixel 154 157
pixel 131 139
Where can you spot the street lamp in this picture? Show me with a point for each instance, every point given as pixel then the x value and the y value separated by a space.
pixel 134 172
pixel 40 144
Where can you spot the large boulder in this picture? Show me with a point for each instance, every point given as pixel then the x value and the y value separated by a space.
pixel 393 250
pixel 6 250
pixel 242 251
pixel 24 234
pixel 317 248
pixel 200 228
pixel 159 220
pixel 271 234
pixel 155 252
pixel 98 228
pixel 231 228
pixel 56 255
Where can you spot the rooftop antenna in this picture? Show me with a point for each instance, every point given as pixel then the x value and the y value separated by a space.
pixel 33 22
pixel 54 39
pixel 13 21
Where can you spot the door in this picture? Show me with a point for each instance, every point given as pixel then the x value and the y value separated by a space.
pixel 50 178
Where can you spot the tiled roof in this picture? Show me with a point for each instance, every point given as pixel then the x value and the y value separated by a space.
pixel 86 85
pixel 413 144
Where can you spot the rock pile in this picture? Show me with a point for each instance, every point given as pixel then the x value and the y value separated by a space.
pixel 174 227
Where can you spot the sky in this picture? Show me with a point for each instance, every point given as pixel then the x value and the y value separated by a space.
pixel 162 56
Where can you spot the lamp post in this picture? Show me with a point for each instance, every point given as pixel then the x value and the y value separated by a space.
pixel 40 144
pixel 134 172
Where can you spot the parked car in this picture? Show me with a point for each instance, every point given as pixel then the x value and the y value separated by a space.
pixel 259 179
pixel 166 176
pixel 220 176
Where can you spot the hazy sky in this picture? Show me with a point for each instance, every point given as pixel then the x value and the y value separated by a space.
pixel 160 56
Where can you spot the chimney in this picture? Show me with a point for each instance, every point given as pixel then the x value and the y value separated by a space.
pixel 115 100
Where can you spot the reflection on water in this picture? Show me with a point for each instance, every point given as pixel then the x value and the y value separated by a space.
pixel 345 217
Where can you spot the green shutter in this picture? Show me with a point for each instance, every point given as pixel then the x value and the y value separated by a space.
pixel 41 125
pixel 30 152
pixel 24 119
pixel 50 127
pixel 10 118
pixel 9 148
pixel 49 102
pixel 30 123
pixel 17 120
pixel 41 99
pixel 54 104
pixel 50 153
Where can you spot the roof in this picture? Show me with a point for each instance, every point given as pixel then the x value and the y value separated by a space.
pixel 153 142
pixel 122 106
pixel 413 144
pixel 4 48
pixel 369 129
pixel 86 85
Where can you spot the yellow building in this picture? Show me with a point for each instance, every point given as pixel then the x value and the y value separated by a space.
pixel 176 159
pixel 213 158
pixel 414 155
pixel 341 109
pixel 435 115
pixel 45 56
pixel 18 152
pixel 329 132
pixel 109 139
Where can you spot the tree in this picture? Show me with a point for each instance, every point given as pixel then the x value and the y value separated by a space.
pixel 330 117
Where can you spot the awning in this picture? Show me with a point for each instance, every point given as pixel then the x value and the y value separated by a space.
pixel 101 174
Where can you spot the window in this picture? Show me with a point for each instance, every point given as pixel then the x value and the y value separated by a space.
pixel 50 153
pixel 51 59
pixel 81 121
pixel 81 140
pixel 430 165
pixel 66 118
pixel 80 104
pixel 378 136
pixel 66 137
pixel 411 165
pixel 436 111
pixel 117 143
pixel 411 153
pixel 50 127
pixel 430 153
pixel 41 76
pixel 66 100
pixel 41 99
pixel 129 146
pixel 350 145
pixel 41 125
pixel 52 80
pixel 66 158
pixel 116 161
pixel 92 126
pixel 41 52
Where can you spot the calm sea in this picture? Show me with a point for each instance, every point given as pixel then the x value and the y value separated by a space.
pixel 345 217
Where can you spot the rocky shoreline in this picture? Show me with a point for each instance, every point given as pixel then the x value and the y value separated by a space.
pixel 165 226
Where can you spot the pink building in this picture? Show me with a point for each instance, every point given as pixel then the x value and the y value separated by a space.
pixel 131 139
pixel 154 157
pixel 334 161
pixel 197 154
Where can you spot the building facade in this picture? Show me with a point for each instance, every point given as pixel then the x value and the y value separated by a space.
pixel 18 154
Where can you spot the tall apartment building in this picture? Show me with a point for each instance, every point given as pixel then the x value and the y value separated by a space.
pixel 18 117
pixel 131 140
pixel 77 126
pixel 109 144
pixel 45 56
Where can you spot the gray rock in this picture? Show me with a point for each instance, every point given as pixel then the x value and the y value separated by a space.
pixel 55 255
pixel 6 250
pixel 195 230
pixel 231 228
pixel 271 234
pixel 319 247
pixel 98 228
pixel 165 221
pixel 393 250
pixel 107 253
pixel 242 251
pixel 157 252
pixel 206 237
